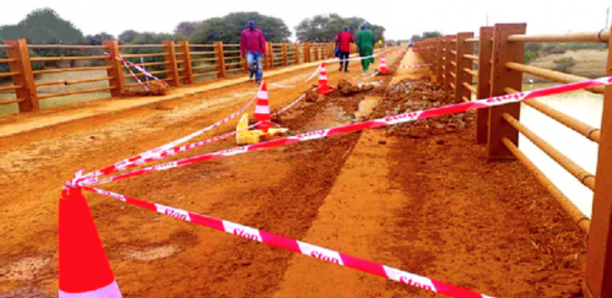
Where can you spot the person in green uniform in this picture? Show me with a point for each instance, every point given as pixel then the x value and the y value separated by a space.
pixel 365 42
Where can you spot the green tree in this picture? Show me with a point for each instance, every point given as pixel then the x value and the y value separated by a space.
pixel 43 26
pixel 227 29
pixel 147 38
pixel 98 39
pixel 379 32
pixel 127 36
pixel 431 34
pixel 186 28
pixel 325 28
pixel 3 66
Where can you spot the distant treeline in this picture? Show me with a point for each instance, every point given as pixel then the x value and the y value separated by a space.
pixel 45 26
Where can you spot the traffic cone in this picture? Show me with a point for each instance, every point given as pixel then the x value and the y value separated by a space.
pixel 262 108
pixel 323 86
pixel 84 270
pixel 383 64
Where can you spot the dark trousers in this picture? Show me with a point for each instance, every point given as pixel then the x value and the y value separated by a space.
pixel 344 60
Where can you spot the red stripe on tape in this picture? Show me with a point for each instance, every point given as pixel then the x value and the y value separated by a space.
pixel 363 265
pixel 454 291
pixel 280 241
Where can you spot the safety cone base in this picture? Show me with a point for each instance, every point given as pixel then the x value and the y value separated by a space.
pixel 325 90
pixel 249 137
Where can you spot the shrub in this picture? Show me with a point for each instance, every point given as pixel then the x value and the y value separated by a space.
pixel 553 49
pixel 564 64
pixel 529 57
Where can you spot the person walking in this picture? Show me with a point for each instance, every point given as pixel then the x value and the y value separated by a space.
pixel 253 48
pixel 343 43
pixel 365 42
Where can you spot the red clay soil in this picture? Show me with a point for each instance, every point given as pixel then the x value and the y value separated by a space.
pixel 456 217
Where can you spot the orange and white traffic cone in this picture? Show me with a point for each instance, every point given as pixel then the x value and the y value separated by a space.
pixel 84 271
pixel 323 86
pixel 262 108
pixel 383 64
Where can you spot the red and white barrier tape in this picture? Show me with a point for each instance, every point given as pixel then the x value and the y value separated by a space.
pixel 415 66
pixel 139 159
pixel 142 63
pixel 281 86
pixel 135 76
pixel 372 75
pixel 144 71
pixel 377 123
pixel 289 106
pixel 296 246
pixel 146 158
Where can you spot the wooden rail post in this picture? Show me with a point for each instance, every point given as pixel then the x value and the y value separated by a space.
pixel 324 50
pixel 598 281
pixel 171 65
pixel 463 48
pixel 270 55
pixel 438 59
pixel 324 53
pixel 296 53
pixel 330 49
pixel 187 67
pixel 18 50
pixel 501 78
pixel 307 52
pixel 116 72
pixel 429 51
pixel 448 67
pixel 316 52
pixel 485 53
pixel 245 65
pixel 285 58
pixel 220 55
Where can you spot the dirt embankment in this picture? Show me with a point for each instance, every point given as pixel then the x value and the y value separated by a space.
pixel 588 63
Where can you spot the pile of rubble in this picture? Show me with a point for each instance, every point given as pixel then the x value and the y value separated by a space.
pixel 344 89
pixel 409 96
pixel 155 89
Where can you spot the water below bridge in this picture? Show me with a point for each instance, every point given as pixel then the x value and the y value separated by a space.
pixel 584 106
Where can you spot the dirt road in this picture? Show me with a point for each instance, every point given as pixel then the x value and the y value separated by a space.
pixel 429 204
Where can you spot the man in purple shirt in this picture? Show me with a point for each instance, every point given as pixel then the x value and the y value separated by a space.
pixel 253 47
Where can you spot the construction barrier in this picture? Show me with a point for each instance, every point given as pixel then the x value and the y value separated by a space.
pixel 293 245
pixel 377 123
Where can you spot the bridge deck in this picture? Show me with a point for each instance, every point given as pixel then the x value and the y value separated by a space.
pixel 420 197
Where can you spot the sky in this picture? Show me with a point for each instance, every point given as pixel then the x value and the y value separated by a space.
pixel 401 18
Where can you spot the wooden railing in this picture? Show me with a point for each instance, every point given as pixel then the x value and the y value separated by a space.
pixel 177 63
pixel 498 70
